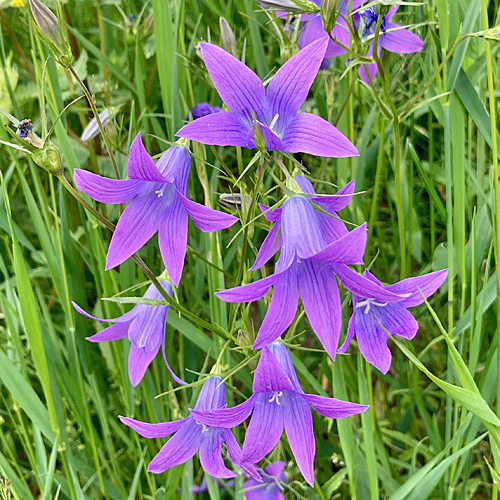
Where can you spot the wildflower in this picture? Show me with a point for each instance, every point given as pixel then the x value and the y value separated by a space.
pixel 314 30
pixel 314 247
pixel 392 38
pixel 192 435
pixel 273 115
pixel 158 202
pixel 144 325
pixel 92 129
pixel 273 479
pixel 200 110
pixel 17 3
pixel 279 403
pixel 372 313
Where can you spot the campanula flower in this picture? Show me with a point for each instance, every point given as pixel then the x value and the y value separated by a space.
pixel 371 311
pixel 158 203
pixel 273 480
pixel 400 41
pixel 191 435
pixel 275 111
pixel 315 247
pixel 279 403
pixel 144 325
pixel 200 110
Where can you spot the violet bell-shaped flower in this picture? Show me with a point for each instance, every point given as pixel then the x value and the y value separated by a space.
pixel 372 314
pixel 158 203
pixel 279 403
pixel 271 486
pixel 144 325
pixel 275 111
pixel 200 110
pixel 315 247
pixel 191 435
pixel 392 38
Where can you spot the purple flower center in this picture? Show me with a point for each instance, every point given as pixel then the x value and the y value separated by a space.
pixel 368 303
pixel 370 19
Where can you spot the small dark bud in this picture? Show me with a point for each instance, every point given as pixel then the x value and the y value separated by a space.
pixel 24 128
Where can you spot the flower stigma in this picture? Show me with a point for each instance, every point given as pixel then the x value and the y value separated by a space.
pixel 367 303
pixel 275 397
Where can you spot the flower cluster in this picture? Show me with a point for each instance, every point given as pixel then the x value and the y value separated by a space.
pixel 316 250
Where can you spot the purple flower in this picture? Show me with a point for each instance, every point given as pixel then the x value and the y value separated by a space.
pixel 200 110
pixel 279 403
pixel 276 111
pixel 273 479
pixel 401 41
pixel 192 435
pixel 371 309
pixel 315 247
pixel 313 30
pixel 145 327
pixel 158 202
pixel 195 489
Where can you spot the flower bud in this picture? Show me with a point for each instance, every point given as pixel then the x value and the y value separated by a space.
pixel 236 201
pixel 329 14
pixel 228 37
pixel 243 338
pixel 296 6
pixel 50 30
pixel 383 8
pixel 49 159
pixel 493 34
pixel 92 129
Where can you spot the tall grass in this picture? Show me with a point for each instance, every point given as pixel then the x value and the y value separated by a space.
pixel 433 429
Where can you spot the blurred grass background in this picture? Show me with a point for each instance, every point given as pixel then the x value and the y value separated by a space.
pixel 60 395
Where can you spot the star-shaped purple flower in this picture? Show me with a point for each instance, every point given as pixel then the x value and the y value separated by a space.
pixel 144 325
pixel 273 480
pixel 372 309
pixel 279 403
pixel 276 111
pixel 191 435
pixel 400 41
pixel 158 203
pixel 315 247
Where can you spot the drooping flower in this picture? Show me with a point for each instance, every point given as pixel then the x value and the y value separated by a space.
pixel 392 38
pixel 158 203
pixel 275 111
pixel 313 29
pixel 315 247
pixel 279 403
pixel 273 479
pixel 144 325
pixel 191 435
pixel 200 110
pixel 371 311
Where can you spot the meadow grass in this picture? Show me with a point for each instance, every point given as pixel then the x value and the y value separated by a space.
pixel 432 431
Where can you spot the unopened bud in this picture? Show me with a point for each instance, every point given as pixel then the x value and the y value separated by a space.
pixel 236 201
pixel 243 338
pixel 92 129
pixel 329 14
pixel 493 34
pixel 383 8
pixel 228 37
pixel 51 32
pixel 296 6
pixel 49 158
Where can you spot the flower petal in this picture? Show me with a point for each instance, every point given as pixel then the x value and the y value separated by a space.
pixel 311 134
pixel 264 430
pixel 138 362
pixel 212 395
pixel 337 201
pixel 350 334
pixel 281 353
pixel 372 341
pixel 269 375
pixel 137 225
pixel 207 219
pixel 299 431
pixel 148 430
pixel 314 31
pixel 140 165
pixel 397 320
pixel 219 129
pixel 113 332
pixel 321 298
pixel 175 164
pixel 270 215
pixel 234 452
pixel 349 249
pixel 180 448
pixel 275 469
pixel 428 284
pixel 226 417
pixel 211 454
pixel 363 287
pixel 271 244
pixel 334 408
pixel 401 41
pixel 273 141
pixel 147 329
pixel 172 237
pixel 255 490
pixel 250 292
pixel 305 184
pixel 289 87
pixel 239 87
pixel 282 309
pixel 106 190
pixel 128 316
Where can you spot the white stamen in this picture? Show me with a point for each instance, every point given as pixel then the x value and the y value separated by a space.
pixel 275 397
pixel 273 123
pixel 204 429
pixel 367 303
pixel 161 191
